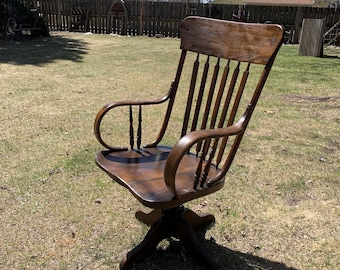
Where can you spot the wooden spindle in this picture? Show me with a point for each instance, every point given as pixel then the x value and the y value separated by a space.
pixel 200 95
pixel 132 139
pixel 235 107
pixel 209 100
pixel 190 96
pixel 239 96
pixel 214 115
pixel 198 174
pixel 139 131
pixel 226 107
pixel 206 167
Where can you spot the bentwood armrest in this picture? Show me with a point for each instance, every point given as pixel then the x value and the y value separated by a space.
pixel 186 142
pixel 112 105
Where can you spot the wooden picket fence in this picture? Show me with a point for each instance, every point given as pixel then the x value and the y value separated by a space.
pixel 163 18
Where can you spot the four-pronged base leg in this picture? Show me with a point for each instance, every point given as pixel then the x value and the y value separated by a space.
pixel 154 236
pixel 196 221
pixel 177 222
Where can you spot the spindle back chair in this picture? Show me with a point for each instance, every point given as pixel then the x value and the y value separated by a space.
pixel 220 99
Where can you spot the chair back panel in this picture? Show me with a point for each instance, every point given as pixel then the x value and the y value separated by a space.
pixel 217 98
pixel 229 65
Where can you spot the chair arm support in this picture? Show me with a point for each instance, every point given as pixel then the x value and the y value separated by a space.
pixel 104 110
pixel 185 143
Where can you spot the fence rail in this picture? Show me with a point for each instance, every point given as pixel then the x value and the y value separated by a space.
pixel 152 18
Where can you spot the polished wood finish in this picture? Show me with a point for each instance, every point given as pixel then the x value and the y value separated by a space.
pixel 230 64
pixel 172 223
pixel 245 42
pixel 142 172
pixel 196 221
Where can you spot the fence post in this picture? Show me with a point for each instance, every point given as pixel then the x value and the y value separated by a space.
pixel 59 26
pixel 298 24
pixel 141 8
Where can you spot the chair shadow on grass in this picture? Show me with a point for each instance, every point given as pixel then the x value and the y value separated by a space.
pixel 42 51
pixel 174 256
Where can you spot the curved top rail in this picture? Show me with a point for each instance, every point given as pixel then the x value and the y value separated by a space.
pixel 257 46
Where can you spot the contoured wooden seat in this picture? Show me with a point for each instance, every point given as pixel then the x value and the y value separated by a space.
pixel 229 63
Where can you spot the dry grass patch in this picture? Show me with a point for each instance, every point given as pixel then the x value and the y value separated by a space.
pixel 278 210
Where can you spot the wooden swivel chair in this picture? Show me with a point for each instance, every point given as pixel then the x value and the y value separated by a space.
pixel 230 62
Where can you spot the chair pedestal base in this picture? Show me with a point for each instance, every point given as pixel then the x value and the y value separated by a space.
pixel 178 223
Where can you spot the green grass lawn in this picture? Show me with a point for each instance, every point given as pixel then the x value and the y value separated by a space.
pixel 279 208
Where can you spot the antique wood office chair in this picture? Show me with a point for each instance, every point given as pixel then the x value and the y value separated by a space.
pixel 221 96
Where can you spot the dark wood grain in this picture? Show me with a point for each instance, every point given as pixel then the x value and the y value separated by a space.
pixel 246 42
pixel 220 103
